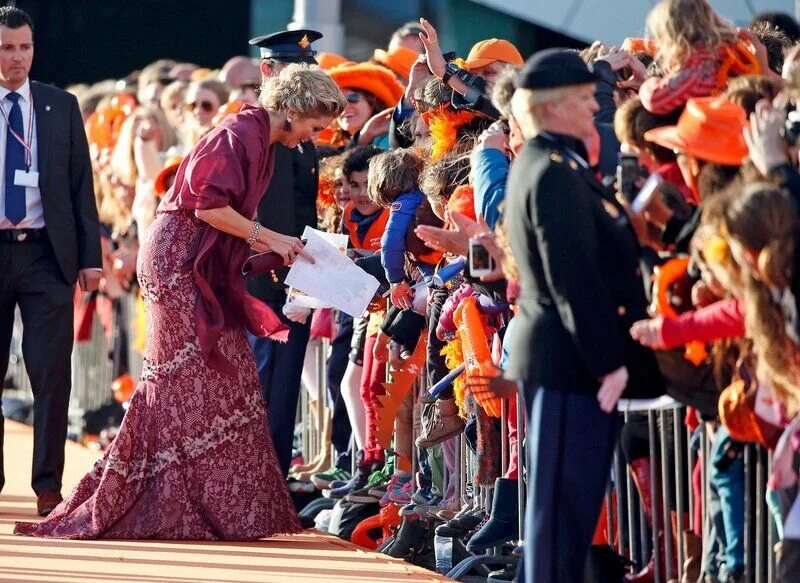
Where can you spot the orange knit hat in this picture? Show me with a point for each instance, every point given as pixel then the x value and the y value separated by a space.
pixel 369 78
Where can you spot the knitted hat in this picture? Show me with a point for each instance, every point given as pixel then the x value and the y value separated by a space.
pixel 370 78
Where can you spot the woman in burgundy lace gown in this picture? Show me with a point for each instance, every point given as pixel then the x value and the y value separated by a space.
pixel 193 459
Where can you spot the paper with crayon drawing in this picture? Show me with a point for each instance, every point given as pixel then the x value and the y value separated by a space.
pixel 334 279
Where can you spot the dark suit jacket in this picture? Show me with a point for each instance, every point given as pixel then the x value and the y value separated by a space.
pixel 65 181
pixel 580 280
pixel 288 206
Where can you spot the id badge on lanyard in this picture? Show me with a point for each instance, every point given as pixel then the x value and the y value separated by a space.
pixel 26 177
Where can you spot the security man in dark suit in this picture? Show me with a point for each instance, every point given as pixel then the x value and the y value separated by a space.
pixel 288 207
pixel 49 240
pixel 581 289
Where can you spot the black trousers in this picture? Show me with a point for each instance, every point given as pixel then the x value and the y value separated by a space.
pixel 280 366
pixel 570 445
pixel 31 279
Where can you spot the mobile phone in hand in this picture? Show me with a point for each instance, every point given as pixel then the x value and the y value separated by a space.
pixel 628 174
pixel 480 262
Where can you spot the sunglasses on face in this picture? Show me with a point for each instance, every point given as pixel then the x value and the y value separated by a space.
pixel 205 106
pixel 353 97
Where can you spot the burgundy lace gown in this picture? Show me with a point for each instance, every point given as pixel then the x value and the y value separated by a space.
pixel 193 459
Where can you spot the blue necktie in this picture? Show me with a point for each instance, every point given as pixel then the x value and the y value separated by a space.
pixel 15 160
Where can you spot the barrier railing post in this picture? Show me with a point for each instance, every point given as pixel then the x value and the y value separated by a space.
pixel 666 496
pixel 656 493
pixel 679 449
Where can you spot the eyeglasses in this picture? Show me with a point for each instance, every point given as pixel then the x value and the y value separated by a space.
pixel 353 97
pixel 205 106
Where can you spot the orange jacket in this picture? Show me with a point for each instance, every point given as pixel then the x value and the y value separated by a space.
pixel 372 239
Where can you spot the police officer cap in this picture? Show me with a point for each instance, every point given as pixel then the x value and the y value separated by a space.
pixel 552 68
pixel 288 46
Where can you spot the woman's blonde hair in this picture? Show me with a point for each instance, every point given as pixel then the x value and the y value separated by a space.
pixel 763 220
pixel 680 27
pixel 305 89
pixel 122 162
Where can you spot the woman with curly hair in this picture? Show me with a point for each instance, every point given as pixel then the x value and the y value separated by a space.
pixel 193 459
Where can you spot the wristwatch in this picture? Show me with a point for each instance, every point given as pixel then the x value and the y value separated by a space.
pixel 450 69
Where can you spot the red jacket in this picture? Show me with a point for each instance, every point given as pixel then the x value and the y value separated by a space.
pixel 722 319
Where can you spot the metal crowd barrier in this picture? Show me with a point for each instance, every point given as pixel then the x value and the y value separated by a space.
pixel 92 377
pixel 92 365
pixel 673 482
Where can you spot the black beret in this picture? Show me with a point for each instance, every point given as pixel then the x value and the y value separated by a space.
pixel 552 68
pixel 288 46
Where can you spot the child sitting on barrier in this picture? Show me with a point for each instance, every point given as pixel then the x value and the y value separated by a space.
pixel 698 51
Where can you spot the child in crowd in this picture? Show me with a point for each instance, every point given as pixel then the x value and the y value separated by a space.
pixel 698 51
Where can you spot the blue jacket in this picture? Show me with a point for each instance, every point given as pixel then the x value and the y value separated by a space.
pixel 491 172
pixel 393 242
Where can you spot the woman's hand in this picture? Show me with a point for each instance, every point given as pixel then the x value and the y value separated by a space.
pixel 376 126
pixel 488 239
pixel 611 389
pixel 416 77
pixel 287 247
pixel 296 314
pixel 763 137
pixel 456 240
pixel 648 332
pixel 497 386
pixel 433 51
pixel 495 137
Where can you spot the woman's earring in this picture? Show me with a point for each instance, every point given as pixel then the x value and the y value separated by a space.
pixel 287 125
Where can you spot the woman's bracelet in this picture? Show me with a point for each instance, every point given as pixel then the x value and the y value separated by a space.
pixel 254 233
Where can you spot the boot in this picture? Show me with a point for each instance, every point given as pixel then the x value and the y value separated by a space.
pixel 640 469
pixel 693 551
pixel 443 424
pixel 503 523
pixel 407 538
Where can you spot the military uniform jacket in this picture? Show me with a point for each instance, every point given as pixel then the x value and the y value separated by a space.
pixel 581 286
pixel 288 206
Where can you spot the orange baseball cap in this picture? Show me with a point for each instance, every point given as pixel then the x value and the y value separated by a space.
pixel 710 129
pixel 400 60
pixel 493 50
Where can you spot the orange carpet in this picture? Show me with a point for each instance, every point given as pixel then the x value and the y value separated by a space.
pixel 307 557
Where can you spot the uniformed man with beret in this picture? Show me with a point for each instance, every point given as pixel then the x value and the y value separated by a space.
pixel 581 289
pixel 289 205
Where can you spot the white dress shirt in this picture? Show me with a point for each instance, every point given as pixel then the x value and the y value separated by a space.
pixel 34 216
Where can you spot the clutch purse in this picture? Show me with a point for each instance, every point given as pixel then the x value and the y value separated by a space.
pixel 262 263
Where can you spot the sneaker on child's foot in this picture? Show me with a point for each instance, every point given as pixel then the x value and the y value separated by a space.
pixel 401 492
pixel 323 480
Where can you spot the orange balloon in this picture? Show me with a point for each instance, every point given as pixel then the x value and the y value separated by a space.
pixel 123 387
pixel 666 275
pixel 477 356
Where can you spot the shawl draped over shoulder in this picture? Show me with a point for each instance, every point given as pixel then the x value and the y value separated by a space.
pixel 231 166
